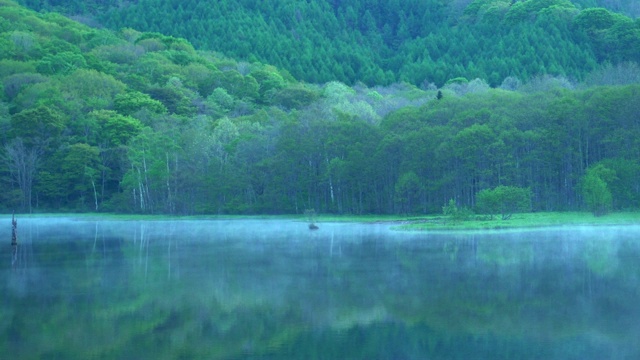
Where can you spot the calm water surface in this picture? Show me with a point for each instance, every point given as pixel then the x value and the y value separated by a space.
pixel 84 289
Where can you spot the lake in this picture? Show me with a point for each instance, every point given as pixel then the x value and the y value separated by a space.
pixel 272 289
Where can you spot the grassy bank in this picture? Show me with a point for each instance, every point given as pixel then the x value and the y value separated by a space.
pixel 529 220
pixel 408 222
pixel 370 218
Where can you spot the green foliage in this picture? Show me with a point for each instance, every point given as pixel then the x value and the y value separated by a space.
pixel 115 129
pixel 79 173
pixel 625 195
pixel 454 213
pixel 595 189
pixel 14 84
pixel 38 126
pixel 174 98
pixel 200 77
pixel 615 37
pixel 161 128
pixel 219 103
pixel 172 43
pixel 407 192
pixel 522 10
pixel 595 19
pixel 503 200
pixel 132 102
pixel 91 89
pixel 365 41
pixel 294 96
pixel 458 80
pixel 62 63
pixel 269 81
pixel 242 87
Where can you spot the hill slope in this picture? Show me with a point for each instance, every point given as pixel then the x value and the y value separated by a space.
pixel 381 42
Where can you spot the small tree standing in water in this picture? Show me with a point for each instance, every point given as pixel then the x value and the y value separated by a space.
pixel 311 218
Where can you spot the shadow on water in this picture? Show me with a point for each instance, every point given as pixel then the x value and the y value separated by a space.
pixel 274 289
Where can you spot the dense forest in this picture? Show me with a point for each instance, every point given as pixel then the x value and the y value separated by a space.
pixel 135 121
pixel 379 42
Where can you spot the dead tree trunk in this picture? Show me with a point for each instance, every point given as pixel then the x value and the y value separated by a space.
pixel 14 230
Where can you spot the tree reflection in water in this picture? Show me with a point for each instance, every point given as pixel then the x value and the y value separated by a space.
pixel 273 289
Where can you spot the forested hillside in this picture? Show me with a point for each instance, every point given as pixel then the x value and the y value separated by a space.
pixel 630 8
pixel 129 121
pixel 380 42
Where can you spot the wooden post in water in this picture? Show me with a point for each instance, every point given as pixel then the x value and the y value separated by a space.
pixel 14 230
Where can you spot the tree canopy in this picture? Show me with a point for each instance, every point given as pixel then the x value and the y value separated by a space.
pixel 131 121
pixel 381 42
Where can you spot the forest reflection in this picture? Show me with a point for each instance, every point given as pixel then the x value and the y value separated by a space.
pixel 229 289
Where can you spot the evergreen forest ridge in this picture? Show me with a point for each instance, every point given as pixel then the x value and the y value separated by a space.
pixel 381 42
pixel 277 107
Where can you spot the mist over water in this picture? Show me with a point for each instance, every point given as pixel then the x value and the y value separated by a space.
pixel 272 289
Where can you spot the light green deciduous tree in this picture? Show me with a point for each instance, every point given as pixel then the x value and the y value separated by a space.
pixel 503 200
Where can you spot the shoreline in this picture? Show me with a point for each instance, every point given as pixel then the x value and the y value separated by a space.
pixel 529 221
pixel 416 223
